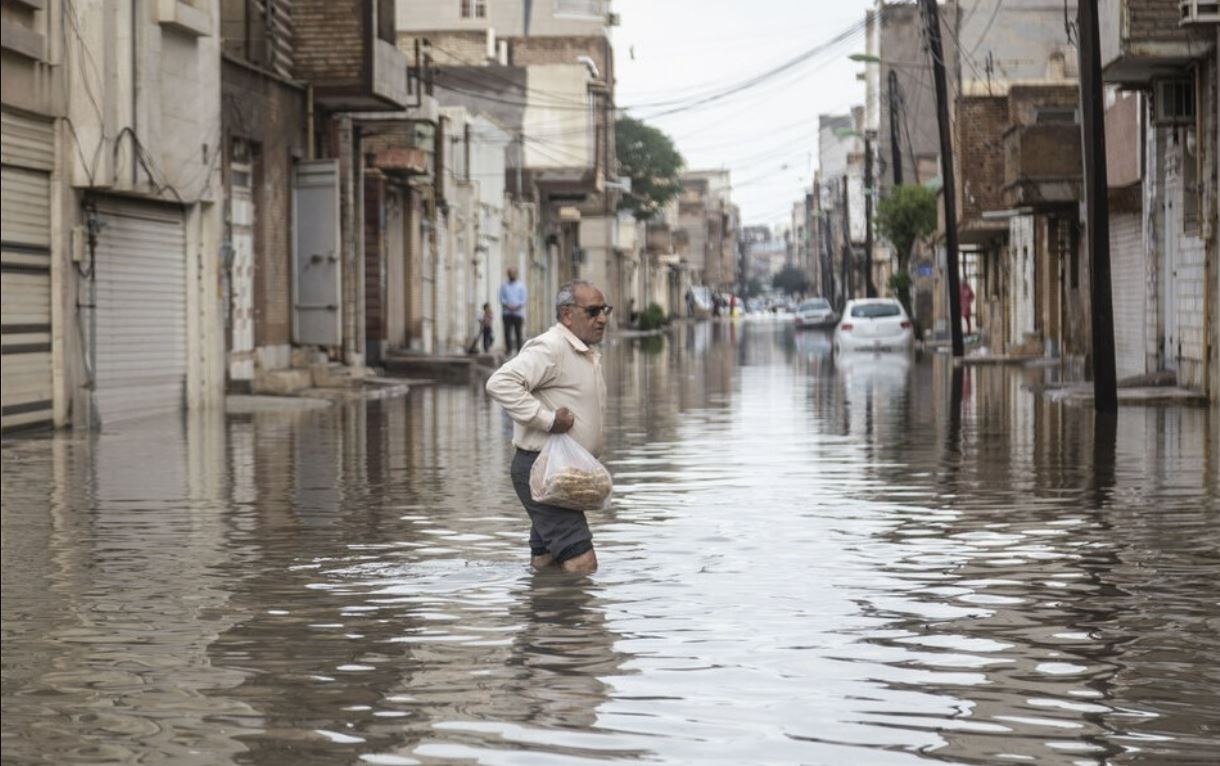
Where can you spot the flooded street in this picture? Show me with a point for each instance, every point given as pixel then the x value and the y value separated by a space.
pixel 806 561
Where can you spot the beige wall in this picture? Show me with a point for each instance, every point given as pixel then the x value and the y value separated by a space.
pixel 559 132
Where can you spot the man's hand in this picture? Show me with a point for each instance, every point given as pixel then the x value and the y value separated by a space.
pixel 564 420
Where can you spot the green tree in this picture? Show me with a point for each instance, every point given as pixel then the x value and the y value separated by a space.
pixel 648 157
pixel 905 215
pixel 791 281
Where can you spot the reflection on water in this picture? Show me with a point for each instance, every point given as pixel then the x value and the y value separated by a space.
pixel 811 559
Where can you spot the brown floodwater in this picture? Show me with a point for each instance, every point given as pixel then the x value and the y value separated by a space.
pixel 808 560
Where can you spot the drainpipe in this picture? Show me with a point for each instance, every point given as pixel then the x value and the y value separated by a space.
pixel 309 128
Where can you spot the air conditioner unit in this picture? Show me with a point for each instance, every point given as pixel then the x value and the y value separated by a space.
pixel 613 20
pixel 1173 101
pixel 1199 12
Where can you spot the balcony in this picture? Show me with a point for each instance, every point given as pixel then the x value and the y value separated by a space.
pixel 1143 39
pixel 350 58
pixel 1042 165
pixel 658 238
pixel 403 161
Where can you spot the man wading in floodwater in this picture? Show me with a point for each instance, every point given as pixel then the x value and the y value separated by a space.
pixel 554 386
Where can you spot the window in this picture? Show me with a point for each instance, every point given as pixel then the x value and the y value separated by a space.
pixel 875 310
pixel 1044 115
pixel 474 9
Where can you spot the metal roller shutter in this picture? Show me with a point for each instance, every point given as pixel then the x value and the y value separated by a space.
pixel 26 159
pixel 1129 289
pixel 141 311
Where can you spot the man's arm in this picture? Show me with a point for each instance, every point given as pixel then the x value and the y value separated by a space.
pixel 513 386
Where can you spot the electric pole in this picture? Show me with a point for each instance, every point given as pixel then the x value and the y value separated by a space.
pixel 948 183
pixel 1105 385
pixel 870 290
pixel 895 148
pixel 848 258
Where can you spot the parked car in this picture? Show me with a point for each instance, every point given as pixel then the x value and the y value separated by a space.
pixel 699 302
pixel 874 324
pixel 814 312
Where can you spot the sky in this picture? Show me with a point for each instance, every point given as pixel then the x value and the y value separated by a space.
pixel 668 52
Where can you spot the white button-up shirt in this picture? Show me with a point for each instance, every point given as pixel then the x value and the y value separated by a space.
pixel 555 369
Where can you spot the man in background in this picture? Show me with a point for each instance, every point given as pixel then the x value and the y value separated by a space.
pixel 512 310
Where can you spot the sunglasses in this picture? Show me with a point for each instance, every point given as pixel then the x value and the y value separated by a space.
pixel 593 311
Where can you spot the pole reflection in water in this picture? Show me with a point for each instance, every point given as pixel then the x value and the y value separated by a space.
pixel 810 558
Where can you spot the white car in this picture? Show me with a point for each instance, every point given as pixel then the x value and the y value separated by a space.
pixel 874 324
pixel 814 312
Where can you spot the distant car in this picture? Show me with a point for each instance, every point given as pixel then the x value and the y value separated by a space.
pixel 814 312
pixel 874 324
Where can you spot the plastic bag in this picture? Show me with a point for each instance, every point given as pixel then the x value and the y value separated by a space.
pixel 565 474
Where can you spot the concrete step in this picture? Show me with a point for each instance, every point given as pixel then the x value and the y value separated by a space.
pixel 281 382
pixel 447 368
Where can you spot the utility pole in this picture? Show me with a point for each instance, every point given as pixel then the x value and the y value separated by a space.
pixel 1105 385
pixel 848 265
pixel 895 148
pixel 870 290
pixel 948 183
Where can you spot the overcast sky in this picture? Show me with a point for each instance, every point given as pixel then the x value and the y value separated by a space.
pixel 667 50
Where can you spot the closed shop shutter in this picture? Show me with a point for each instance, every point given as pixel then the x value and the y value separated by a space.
pixel 141 311
pixel 1129 291
pixel 26 160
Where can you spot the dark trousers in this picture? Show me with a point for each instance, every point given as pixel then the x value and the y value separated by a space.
pixel 512 332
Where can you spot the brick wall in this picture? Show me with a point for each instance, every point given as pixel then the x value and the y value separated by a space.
pixel 981 121
pixel 1024 101
pixel 270 114
pixel 447 48
pixel 1153 20
pixel 330 41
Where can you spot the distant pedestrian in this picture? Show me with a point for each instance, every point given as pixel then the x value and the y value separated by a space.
pixel 966 296
pixel 486 323
pixel 512 307
pixel 554 386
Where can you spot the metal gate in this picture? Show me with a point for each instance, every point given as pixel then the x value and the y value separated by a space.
pixel 317 272
pixel 1021 290
pixel 1129 288
pixel 140 311
pixel 26 159
pixel 241 268
pixel 395 269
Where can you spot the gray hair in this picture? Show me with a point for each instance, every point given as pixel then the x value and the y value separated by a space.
pixel 567 295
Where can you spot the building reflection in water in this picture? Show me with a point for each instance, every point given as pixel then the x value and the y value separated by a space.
pixel 810 557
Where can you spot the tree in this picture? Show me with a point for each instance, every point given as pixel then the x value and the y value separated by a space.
pixel 905 215
pixel 791 281
pixel 648 157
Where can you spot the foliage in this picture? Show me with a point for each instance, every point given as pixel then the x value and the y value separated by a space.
pixel 652 317
pixel 905 215
pixel 899 284
pixel 649 158
pixel 753 288
pixel 791 281
pixel 652 344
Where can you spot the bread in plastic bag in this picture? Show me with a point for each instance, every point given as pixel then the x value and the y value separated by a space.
pixel 567 475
